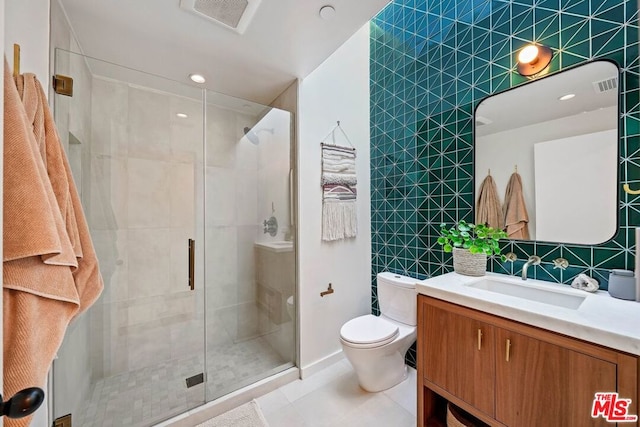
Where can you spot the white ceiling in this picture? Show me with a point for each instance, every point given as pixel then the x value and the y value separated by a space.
pixel 286 39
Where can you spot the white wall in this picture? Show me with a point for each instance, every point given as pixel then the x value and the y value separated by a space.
pixel 337 90
pixel 27 23
pixel 576 188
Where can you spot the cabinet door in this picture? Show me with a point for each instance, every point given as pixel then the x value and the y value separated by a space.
pixel 544 385
pixel 459 356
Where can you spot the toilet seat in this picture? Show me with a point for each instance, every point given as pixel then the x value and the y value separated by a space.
pixel 368 331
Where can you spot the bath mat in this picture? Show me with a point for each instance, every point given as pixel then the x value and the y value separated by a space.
pixel 247 415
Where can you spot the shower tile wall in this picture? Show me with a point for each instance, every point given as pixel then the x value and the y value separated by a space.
pixel 240 335
pixel 141 212
pixel 231 216
pixel 431 64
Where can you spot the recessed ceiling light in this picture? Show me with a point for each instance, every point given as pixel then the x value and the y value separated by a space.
pixel 567 96
pixel 197 78
pixel 181 115
pixel 327 12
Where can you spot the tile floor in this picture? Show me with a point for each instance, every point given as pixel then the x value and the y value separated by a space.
pixel 332 398
pixel 145 396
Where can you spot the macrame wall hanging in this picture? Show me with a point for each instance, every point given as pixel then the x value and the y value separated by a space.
pixel 339 213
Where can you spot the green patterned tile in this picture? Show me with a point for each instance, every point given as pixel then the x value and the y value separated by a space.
pixel 432 61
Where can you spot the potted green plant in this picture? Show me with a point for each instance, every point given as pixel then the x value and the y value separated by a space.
pixel 471 244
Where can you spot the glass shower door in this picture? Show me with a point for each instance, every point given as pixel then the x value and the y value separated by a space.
pixel 135 143
pixel 249 237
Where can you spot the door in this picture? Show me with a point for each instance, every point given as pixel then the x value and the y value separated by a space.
pixel 459 355
pixel 541 384
pixel 135 145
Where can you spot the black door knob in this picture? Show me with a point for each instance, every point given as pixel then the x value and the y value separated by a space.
pixel 23 403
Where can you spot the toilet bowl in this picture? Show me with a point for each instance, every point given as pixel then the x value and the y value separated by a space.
pixel 379 365
pixel 375 346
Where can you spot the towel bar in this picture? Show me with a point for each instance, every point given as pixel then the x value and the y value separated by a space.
pixel 628 189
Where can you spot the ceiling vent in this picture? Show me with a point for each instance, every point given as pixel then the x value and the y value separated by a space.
pixel 606 85
pixel 232 14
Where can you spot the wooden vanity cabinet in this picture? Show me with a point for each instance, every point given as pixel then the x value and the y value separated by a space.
pixel 459 356
pixel 511 374
pixel 544 384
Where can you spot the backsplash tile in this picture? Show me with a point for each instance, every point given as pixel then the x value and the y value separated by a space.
pixel 432 62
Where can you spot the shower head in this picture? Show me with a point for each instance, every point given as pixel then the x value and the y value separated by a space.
pixel 252 135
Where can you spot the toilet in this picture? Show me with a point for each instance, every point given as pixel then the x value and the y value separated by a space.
pixel 375 346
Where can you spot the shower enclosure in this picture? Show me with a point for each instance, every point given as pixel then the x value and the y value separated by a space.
pixel 182 189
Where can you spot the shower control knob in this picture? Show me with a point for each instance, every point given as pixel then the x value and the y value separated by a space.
pixel 271 226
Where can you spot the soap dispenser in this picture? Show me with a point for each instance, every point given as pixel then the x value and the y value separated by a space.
pixel 622 284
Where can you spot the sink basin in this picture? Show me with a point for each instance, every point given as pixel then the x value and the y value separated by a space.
pixel 529 292
pixel 276 246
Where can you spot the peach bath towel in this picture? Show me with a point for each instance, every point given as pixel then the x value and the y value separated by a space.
pixel 516 218
pixel 87 276
pixel 488 208
pixel 45 283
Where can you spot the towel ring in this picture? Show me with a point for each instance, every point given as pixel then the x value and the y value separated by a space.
pixel 628 190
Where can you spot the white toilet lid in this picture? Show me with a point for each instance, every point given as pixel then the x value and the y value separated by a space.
pixel 368 329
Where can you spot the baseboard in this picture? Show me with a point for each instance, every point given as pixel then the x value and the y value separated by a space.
pixel 319 365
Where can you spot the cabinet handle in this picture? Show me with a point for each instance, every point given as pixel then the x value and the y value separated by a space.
pixel 508 350
pixel 479 339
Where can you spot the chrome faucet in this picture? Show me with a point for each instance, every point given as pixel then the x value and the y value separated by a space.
pixel 533 260
pixel 271 226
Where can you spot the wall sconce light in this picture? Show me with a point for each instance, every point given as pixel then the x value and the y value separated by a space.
pixel 532 59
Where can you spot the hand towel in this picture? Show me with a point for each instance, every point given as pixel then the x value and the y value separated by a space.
pixel 39 296
pixel 488 208
pixel 87 274
pixel 516 218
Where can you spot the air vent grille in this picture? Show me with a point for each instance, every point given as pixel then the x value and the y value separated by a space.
pixel 229 12
pixel 606 85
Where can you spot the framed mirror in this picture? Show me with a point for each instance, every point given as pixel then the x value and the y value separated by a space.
pixel 548 152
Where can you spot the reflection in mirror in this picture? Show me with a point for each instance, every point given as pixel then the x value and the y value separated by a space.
pixel 560 134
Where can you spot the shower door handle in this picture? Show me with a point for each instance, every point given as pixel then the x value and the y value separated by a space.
pixel 192 264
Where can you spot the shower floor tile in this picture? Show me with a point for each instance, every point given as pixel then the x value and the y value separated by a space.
pixel 149 395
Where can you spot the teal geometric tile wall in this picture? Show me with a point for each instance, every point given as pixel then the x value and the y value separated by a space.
pixel 431 63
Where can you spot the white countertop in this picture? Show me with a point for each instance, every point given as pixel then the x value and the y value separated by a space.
pixel 600 319
pixel 275 246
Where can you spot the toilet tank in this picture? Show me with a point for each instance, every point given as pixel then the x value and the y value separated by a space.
pixel 397 297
